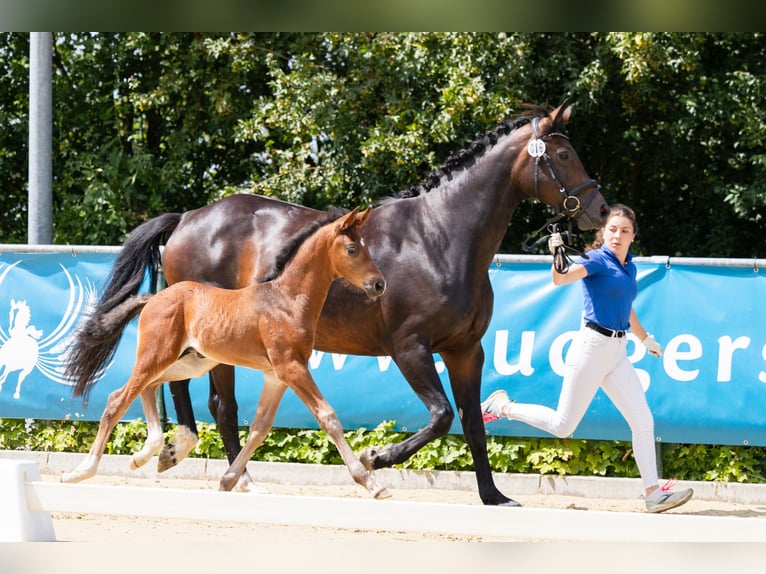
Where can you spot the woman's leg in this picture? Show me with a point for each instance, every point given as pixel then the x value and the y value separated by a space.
pixel 590 358
pixel 624 389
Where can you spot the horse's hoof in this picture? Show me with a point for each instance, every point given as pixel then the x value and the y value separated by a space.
pixel 510 503
pixel 73 476
pixel 368 456
pixel 245 484
pixel 167 458
pixel 228 482
pixel 380 493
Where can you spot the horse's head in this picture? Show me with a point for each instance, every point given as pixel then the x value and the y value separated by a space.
pixel 553 173
pixel 350 257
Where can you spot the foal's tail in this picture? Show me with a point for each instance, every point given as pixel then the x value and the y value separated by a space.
pixel 139 253
pixel 96 342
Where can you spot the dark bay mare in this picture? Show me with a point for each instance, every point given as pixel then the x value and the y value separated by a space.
pixel 188 328
pixel 434 243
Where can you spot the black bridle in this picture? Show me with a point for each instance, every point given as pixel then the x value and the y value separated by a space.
pixel 571 206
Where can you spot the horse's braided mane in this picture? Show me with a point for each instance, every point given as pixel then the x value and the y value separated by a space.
pixel 294 242
pixel 483 142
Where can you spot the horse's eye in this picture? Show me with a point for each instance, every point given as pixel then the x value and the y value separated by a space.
pixel 564 155
pixel 351 249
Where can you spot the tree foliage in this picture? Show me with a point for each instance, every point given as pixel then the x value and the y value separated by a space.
pixel 670 123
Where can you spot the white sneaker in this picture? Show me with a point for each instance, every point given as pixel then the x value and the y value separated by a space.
pixel 661 500
pixel 492 408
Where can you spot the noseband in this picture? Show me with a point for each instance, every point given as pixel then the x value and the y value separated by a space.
pixel 571 206
pixel 536 148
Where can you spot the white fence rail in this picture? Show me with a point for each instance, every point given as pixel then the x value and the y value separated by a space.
pixel 27 501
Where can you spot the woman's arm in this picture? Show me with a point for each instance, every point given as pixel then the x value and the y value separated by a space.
pixel 575 271
pixel 636 327
pixel 648 341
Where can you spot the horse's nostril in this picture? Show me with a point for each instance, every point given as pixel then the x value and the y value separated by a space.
pixel 377 286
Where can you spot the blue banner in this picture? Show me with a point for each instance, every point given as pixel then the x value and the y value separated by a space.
pixel 709 387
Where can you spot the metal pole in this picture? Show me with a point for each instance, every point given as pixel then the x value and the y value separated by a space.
pixel 40 227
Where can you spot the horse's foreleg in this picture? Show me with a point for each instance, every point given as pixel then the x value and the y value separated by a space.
pixel 465 376
pixel 116 406
pixel 421 374
pixel 186 435
pixel 271 395
pixel 154 436
pixel 306 389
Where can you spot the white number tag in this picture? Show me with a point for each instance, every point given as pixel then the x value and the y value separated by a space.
pixel 536 148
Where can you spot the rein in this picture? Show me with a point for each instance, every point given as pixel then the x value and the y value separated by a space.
pixel 571 207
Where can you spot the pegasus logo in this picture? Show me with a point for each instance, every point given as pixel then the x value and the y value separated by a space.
pixel 23 347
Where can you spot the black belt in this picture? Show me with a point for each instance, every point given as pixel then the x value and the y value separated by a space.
pixel 604 331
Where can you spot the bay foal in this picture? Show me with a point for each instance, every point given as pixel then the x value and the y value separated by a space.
pixel 188 328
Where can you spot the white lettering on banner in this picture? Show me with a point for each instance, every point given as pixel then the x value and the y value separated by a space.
pixel 337 360
pixel 524 366
pixel 762 374
pixel 726 348
pixel 673 354
pixel 556 356
pixel 384 362
pixel 684 347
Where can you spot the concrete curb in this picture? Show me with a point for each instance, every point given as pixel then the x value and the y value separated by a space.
pixel 54 463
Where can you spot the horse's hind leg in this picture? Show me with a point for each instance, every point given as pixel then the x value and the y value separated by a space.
pixel 327 418
pixel 116 406
pixel 186 436
pixel 223 406
pixel 154 436
pixel 271 395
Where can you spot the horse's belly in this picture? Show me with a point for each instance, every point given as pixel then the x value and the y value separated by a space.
pixel 189 366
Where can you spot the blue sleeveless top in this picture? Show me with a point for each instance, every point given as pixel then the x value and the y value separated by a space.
pixel 609 289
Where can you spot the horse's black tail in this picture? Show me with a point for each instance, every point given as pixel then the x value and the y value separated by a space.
pixel 141 251
pixel 95 343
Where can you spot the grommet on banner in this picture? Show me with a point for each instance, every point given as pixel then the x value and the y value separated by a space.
pixel 667 263
pixel 755 265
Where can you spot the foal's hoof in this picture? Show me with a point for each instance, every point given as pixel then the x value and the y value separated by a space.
pixel 381 493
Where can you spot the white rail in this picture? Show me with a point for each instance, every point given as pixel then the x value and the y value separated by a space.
pixel 27 503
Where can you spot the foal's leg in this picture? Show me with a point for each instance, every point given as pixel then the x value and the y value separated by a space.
pixel 304 386
pixel 185 437
pixel 266 410
pixel 116 406
pixel 154 435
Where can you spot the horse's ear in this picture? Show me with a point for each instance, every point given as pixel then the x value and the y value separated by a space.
pixel 348 220
pixel 562 113
pixel 362 216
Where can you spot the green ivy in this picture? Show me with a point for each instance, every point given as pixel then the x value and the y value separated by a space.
pixel 546 456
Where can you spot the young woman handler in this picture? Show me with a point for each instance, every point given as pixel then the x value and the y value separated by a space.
pixel 598 358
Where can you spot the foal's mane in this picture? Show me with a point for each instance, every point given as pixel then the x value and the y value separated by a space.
pixel 294 242
pixel 466 157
